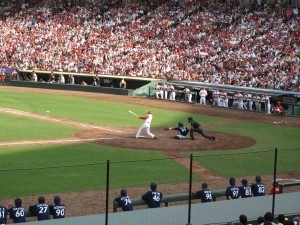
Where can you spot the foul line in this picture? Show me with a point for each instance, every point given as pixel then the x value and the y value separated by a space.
pixel 51 141
pixel 43 117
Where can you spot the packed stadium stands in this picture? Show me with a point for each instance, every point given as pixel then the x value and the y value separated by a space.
pixel 223 42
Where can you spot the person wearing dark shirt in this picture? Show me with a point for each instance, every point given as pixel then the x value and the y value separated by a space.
pixel 182 130
pixel 124 201
pixel 245 189
pixel 196 127
pixel 232 192
pixel 3 215
pixel 41 210
pixel 204 194
pixel 57 210
pixel 153 197
pixel 17 213
pixel 258 189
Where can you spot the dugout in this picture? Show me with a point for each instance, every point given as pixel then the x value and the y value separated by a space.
pixel 145 87
pixel 289 99
pixel 107 84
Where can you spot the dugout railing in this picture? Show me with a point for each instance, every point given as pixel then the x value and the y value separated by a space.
pixel 95 174
pixel 286 187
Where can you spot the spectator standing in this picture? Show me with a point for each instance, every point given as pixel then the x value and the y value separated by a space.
pixel 3 215
pixel 258 189
pixel 17 212
pixel 245 189
pixel 204 194
pixel 41 210
pixel 232 192
pixel 153 197
pixel 58 210
pixel 124 201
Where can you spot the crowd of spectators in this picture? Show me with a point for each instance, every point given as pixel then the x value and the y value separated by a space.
pixel 251 43
pixel 268 219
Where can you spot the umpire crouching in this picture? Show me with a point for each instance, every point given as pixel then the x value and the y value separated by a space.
pixel 195 126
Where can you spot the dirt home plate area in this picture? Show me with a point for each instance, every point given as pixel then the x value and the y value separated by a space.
pixel 93 202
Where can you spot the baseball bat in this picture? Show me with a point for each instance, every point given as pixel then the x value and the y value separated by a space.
pixel 133 113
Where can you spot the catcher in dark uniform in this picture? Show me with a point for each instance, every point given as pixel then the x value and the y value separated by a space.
pixel 196 127
pixel 182 129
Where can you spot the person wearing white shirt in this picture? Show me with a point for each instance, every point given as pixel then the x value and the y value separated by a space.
pixel 203 94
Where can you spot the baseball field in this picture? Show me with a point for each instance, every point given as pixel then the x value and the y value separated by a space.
pixel 59 142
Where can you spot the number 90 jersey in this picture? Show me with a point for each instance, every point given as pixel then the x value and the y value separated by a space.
pixel 58 211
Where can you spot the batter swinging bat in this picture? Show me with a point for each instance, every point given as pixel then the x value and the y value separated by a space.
pixel 133 113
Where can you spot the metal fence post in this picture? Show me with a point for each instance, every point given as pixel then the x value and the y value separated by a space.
pixel 190 190
pixel 274 179
pixel 107 192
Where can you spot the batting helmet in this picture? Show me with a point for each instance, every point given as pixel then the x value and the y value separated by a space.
pixel 180 124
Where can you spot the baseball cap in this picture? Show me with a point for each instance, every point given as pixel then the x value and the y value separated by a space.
pixel 153 186
pixel 57 199
pixel 245 181
pixel 190 118
pixel 204 185
pixel 180 124
pixel 258 179
pixel 150 112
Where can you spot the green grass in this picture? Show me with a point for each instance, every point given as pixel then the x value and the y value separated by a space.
pixel 54 170
pixel 20 128
pixel 268 137
pixel 125 174
pixel 93 111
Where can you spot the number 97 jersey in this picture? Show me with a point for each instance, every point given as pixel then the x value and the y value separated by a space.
pixel 58 211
